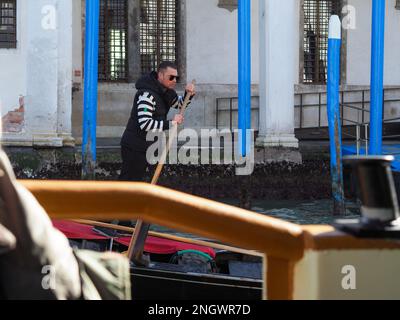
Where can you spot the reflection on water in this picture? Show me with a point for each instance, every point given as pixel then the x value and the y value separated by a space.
pixel 299 212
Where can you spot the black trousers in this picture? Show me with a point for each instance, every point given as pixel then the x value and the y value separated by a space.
pixel 134 165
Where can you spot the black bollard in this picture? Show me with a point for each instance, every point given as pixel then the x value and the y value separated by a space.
pixel 376 189
pixel 377 194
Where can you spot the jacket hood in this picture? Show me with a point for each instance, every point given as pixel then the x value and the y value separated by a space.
pixel 150 82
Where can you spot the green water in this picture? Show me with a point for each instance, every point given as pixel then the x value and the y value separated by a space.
pixel 298 212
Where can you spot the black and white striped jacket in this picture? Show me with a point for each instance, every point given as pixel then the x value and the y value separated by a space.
pixel 149 113
pixel 147 117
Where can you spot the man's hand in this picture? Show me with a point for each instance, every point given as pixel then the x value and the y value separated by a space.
pixel 178 119
pixel 191 89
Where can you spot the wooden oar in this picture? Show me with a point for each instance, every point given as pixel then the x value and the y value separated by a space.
pixel 174 238
pixel 136 247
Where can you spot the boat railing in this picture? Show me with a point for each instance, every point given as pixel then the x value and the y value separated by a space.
pixel 284 245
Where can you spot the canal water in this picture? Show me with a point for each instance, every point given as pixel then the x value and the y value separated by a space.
pixel 304 212
pixel 298 212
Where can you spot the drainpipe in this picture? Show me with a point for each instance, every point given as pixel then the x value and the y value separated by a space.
pixel 244 22
pixel 335 134
pixel 377 62
pixel 90 89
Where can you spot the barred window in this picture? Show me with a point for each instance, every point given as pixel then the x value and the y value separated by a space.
pixel 316 28
pixel 113 35
pixel 8 24
pixel 158 33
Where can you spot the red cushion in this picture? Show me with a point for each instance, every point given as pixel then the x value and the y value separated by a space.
pixel 165 246
pixel 73 230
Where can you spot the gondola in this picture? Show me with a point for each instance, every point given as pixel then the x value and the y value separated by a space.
pixel 177 270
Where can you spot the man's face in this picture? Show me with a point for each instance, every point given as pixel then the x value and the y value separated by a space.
pixel 168 77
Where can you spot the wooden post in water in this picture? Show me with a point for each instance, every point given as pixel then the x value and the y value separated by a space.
pixel 90 90
pixel 377 67
pixel 333 107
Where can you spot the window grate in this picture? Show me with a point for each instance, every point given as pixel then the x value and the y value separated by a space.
pixel 158 33
pixel 8 24
pixel 316 28
pixel 113 34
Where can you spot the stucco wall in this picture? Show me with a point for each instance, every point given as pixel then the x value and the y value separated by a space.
pixel 13 65
pixel 212 42
pixel 359 44
pixel 40 70
pixel 77 41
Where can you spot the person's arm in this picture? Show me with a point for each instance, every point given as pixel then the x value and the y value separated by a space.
pixel 145 114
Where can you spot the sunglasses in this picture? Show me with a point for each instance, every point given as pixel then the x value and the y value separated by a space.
pixel 172 78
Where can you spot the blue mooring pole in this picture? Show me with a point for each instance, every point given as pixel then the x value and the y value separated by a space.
pixel 90 89
pixel 244 22
pixel 377 63
pixel 335 134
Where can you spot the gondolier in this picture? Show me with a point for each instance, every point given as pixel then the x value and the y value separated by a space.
pixel 155 97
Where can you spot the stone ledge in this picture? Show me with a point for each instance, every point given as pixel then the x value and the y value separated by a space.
pixel 281 140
